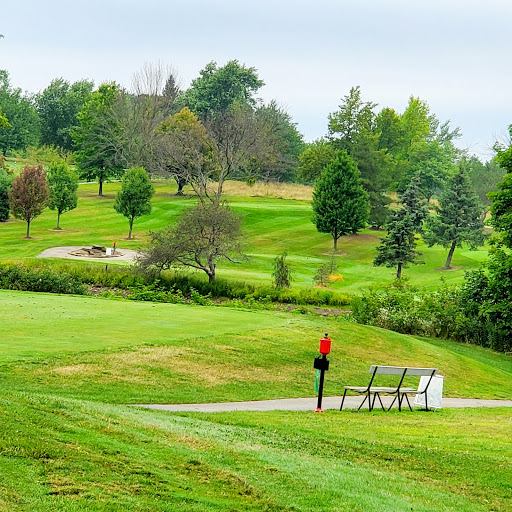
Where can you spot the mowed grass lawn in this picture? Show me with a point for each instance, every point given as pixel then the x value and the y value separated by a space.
pixel 65 445
pixel 272 225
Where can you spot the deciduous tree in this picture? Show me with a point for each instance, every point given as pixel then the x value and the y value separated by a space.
pixel 100 136
pixel 203 235
pixel 63 183
pixel 133 200
pixel 29 194
pixel 18 108
pixel 340 204
pixel 58 106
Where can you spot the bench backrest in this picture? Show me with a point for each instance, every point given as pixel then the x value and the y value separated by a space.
pixel 402 370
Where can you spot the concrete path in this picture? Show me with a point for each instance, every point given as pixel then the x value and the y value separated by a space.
pixel 309 404
pixel 65 252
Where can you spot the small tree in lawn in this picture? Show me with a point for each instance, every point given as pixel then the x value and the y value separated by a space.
pixel 133 200
pixel 340 204
pixel 281 275
pixel 397 248
pixel 203 234
pixel 29 194
pixel 63 183
pixel 5 185
pixel 458 219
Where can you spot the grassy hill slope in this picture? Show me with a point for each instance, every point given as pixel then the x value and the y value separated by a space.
pixel 65 446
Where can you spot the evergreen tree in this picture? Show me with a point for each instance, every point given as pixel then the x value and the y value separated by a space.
pixel 415 203
pixel 63 183
pixel 397 248
pixel 458 218
pixel 340 204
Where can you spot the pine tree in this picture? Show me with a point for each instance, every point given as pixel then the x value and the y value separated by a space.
pixel 397 248
pixel 415 203
pixel 458 218
pixel 340 204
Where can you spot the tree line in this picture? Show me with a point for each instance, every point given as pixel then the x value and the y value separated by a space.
pixel 218 129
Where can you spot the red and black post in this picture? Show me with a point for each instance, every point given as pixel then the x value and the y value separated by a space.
pixel 322 363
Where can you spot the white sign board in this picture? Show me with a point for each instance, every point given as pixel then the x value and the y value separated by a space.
pixel 109 251
pixel 434 392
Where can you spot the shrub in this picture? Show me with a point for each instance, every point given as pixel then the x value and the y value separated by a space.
pixel 19 277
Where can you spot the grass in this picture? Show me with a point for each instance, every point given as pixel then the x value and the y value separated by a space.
pixel 272 225
pixel 68 442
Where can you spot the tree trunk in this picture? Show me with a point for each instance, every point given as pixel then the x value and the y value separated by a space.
pixel 450 255
pixel 181 184
pixel 58 220
pixel 100 191
pixel 28 229
pixel 399 271
pixel 131 229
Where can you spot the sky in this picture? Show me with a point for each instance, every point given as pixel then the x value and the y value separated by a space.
pixel 453 54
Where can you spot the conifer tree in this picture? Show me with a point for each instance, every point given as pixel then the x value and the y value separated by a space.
pixel 415 203
pixel 340 204
pixel 458 218
pixel 397 248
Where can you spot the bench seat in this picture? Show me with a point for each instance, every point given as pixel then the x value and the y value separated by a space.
pixel 373 389
pixel 399 391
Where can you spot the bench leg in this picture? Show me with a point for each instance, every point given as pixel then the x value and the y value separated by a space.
pixel 362 403
pixel 394 399
pixel 408 403
pixel 381 404
pixel 343 400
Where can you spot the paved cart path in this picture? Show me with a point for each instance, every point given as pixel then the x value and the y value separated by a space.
pixel 309 404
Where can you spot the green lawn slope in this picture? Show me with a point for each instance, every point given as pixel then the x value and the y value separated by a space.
pixel 65 444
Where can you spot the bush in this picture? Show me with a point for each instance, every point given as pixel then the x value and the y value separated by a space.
pixel 460 313
pixel 19 277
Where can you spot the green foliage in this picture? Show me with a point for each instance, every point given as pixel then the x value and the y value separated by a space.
pixel 218 88
pixel 29 194
pixel 63 183
pixel 5 185
pixel 97 134
pixel 281 275
pixel 501 210
pixel 58 106
pixel 340 204
pixel 398 247
pixel 484 179
pixel 504 154
pixel 133 200
pixel 459 217
pixel 4 122
pixel 20 277
pixel 203 234
pixel 415 204
pixel 313 160
pixel 22 117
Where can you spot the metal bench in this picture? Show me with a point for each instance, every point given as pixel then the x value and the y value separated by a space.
pixel 399 391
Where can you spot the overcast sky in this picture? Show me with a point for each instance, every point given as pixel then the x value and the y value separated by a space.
pixel 453 54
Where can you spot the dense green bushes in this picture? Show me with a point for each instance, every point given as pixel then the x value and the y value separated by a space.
pixel 174 287
pixel 466 313
pixel 19 277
